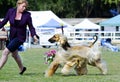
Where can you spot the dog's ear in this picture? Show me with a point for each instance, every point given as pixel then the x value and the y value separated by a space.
pixel 64 43
pixel 67 44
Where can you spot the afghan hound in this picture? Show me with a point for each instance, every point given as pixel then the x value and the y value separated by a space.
pixel 75 56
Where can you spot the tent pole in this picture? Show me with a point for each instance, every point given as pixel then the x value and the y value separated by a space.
pixel 62 29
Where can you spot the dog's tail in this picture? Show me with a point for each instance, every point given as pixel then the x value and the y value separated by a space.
pixel 95 37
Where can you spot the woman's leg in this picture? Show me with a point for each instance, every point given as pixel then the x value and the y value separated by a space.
pixel 18 60
pixel 4 57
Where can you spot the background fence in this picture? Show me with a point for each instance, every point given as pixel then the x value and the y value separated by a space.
pixel 75 37
pixel 86 36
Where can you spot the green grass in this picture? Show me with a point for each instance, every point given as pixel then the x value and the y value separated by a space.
pixel 34 61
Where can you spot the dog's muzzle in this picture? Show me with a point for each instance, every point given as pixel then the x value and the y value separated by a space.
pixel 51 41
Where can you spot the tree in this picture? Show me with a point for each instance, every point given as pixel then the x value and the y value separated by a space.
pixel 115 3
pixel 5 5
pixel 68 8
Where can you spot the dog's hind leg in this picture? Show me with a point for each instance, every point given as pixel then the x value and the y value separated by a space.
pixel 81 69
pixel 101 65
pixel 52 68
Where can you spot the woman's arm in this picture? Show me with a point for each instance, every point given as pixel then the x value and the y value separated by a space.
pixel 30 25
pixel 32 30
pixel 5 20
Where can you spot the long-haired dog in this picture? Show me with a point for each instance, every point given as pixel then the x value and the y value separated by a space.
pixel 74 56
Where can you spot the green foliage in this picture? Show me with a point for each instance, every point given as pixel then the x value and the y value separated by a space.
pixel 7 2
pixel 111 1
pixel 33 59
pixel 66 8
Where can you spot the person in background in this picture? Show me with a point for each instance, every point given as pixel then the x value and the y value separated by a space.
pixel 19 19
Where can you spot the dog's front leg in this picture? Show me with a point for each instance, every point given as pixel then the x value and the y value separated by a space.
pixel 52 68
pixel 67 67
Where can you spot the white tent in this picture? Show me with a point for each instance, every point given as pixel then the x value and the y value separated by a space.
pixel 86 24
pixel 41 17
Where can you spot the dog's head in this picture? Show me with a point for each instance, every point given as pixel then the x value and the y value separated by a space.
pixel 61 39
pixel 58 38
pixel 54 38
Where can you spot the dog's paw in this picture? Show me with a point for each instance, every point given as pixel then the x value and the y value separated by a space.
pixel 47 74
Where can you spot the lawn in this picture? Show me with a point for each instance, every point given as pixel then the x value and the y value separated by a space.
pixel 34 61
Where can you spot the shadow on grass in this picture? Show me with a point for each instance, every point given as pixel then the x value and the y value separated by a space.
pixel 69 75
pixel 59 74
pixel 30 74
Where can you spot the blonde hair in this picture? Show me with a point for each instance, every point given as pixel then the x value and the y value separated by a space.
pixel 22 1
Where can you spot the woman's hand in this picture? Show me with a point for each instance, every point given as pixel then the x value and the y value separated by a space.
pixel 36 39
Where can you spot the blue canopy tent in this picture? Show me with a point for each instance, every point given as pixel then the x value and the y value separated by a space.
pixel 54 24
pixel 113 22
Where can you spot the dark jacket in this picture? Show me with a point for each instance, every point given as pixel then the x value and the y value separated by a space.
pixel 20 30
